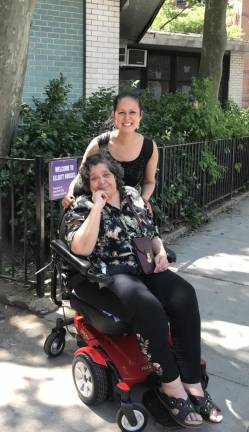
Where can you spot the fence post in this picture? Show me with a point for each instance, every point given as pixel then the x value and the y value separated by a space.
pixel 1 231
pixel 232 167
pixel 40 244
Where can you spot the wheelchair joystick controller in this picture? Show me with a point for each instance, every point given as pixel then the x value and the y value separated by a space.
pixel 101 278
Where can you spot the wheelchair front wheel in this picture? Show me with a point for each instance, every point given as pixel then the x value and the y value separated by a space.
pixel 90 380
pixel 55 343
pixel 141 418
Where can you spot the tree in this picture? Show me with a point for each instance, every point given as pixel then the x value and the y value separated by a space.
pixel 209 19
pixel 186 19
pixel 15 23
pixel 214 42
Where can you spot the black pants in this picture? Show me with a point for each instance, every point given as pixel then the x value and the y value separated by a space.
pixel 149 303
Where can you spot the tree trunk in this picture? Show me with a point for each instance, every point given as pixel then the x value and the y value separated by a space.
pixel 15 23
pixel 214 42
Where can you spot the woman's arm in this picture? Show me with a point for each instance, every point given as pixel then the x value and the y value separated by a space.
pixel 150 175
pixel 91 149
pixel 70 191
pixel 86 236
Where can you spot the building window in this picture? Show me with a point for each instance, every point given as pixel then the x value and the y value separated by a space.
pixel 127 76
pixel 181 3
pixel 187 67
pixel 158 74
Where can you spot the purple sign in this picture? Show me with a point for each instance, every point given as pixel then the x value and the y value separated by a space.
pixel 61 173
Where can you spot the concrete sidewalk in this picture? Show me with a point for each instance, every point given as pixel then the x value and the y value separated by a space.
pixel 38 394
pixel 216 261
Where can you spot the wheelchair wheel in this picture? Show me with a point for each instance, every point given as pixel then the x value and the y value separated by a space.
pixel 55 343
pixel 90 380
pixel 141 417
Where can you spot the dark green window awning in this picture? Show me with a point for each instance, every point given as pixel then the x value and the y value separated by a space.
pixel 136 17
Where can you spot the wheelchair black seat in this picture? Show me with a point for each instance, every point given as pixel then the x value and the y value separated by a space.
pixel 102 320
pixel 70 265
pixel 78 267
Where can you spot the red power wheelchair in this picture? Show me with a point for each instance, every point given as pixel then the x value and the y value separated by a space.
pixel 110 359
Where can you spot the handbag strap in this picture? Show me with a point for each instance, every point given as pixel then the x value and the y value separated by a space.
pixel 130 203
pixel 122 220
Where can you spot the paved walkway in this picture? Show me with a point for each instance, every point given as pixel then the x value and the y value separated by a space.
pixel 38 394
pixel 216 261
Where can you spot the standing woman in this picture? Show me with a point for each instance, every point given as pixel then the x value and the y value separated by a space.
pixel 137 154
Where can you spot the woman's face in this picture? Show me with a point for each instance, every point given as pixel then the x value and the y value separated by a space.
pixel 101 178
pixel 127 115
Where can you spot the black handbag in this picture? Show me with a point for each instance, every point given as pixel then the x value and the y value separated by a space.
pixel 142 247
pixel 144 253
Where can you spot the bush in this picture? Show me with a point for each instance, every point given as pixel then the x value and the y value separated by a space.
pixel 51 128
pixel 55 128
pixel 236 120
pixel 176 117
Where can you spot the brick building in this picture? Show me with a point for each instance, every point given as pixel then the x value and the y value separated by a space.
pixel 82 38
pixel 244 22
pixel 79 38
pixel 56 45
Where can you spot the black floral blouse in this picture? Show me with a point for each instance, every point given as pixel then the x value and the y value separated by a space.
pixel 117 229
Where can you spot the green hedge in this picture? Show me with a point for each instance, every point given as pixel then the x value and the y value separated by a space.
pixel 56 128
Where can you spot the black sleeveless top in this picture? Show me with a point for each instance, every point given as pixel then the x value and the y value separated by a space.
pixel 133 170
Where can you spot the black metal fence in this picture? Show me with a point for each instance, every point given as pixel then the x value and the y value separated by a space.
pixel 22 220
pixel 206 172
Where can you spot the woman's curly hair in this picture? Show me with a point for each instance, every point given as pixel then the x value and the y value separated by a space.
pixel 105 158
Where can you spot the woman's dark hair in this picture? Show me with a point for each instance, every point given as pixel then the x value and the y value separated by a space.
pixel 104 158
pixel 123 95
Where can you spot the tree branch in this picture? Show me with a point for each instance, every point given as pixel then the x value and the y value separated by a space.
pixel 188 6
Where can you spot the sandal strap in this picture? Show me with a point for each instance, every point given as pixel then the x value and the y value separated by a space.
pixel 204 404
pixel 184 406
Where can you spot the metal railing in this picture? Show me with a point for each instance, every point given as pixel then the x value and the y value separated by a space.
pixel 205 172
pixel 26 230
pixel 22 224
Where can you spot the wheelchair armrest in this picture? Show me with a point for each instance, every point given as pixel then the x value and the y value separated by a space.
pixel 79 264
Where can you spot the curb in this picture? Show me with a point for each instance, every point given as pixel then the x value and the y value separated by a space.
pixel 15 294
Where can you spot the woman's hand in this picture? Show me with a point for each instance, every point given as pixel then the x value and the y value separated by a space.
pixel 99 197
pixel 161 262
pixel 67 201
pixel 147 206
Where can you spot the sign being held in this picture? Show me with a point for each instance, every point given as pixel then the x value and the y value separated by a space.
pixel 61 173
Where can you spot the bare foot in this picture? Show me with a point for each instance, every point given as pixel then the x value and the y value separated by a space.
pixel 193 389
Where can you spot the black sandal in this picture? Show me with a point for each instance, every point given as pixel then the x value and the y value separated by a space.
pixel 204 405
pixel 184 407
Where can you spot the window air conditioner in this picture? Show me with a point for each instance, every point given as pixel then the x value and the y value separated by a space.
pixel 136 57
pixel 122 56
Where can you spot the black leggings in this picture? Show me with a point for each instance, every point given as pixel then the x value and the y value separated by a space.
pixel 149 303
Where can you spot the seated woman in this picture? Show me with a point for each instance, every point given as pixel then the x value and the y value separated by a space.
pixel 101 225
